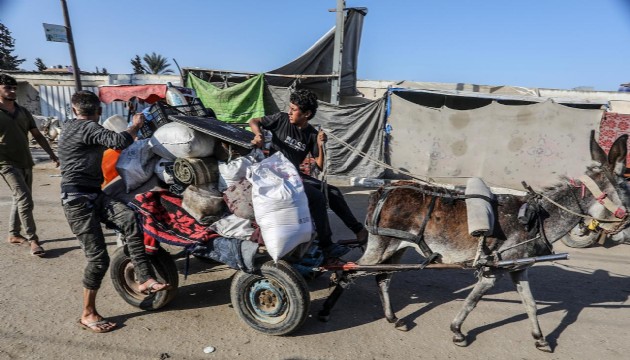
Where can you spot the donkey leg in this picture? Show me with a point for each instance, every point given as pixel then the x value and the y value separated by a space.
pixel 331 300
pixel 521 281
pixel 485 283
pixel 383 281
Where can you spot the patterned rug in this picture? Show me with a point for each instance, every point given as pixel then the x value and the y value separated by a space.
pixel 612 126
pixel 164 220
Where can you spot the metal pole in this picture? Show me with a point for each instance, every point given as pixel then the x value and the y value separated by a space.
pixel 337 53
pixel 73 56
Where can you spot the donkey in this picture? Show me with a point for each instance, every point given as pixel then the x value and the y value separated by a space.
pixel 438 216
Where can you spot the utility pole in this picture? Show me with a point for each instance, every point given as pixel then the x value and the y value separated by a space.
pixel 73 54
pixel 337 53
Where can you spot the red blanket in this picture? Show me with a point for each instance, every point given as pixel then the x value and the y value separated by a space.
pixel 164 220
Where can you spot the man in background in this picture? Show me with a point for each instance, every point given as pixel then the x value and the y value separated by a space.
pixel 16 163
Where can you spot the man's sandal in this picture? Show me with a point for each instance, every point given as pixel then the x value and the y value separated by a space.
pixel 150 289
pixel 95 326
pixel 16 240
pixel 38 251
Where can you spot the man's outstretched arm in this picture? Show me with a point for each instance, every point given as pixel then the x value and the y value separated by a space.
pixel 43 142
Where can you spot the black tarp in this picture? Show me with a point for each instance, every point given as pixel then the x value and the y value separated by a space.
pixel 318 60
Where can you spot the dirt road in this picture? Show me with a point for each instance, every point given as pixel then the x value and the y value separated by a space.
pixel 583 306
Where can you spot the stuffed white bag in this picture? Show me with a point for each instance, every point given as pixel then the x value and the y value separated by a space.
pixel 115 123
pixel 175 140
pixel 233 171
pixel 135 164
pixel 280 205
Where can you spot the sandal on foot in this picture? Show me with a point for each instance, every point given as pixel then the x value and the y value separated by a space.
pixel 150 289
pixel 38 251
pixel 95 326
pixel 16 240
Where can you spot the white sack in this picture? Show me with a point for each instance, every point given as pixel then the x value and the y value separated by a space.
pixel 280 205
pixel 175 140
pixel 115 123
pixel 135 164
pixel 234 171
pixel 160 170
pixel 233 226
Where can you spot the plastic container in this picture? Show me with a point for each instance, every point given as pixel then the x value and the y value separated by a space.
pixel 175 97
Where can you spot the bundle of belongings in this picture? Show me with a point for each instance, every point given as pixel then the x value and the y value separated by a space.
pixel 189 191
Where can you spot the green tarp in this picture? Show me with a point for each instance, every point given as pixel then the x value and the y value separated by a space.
pixel 236 104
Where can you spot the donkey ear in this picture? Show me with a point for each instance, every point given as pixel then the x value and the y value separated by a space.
pixel 617 155
pixel 597 153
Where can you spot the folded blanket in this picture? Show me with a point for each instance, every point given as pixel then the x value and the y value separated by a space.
pixel 479 208
pixel 196 171
pixel 163 219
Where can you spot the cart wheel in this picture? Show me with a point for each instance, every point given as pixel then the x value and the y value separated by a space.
pixel 275 302
pixel 124 279
pixel 576 241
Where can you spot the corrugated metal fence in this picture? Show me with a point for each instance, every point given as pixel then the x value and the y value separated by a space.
pixel 55 101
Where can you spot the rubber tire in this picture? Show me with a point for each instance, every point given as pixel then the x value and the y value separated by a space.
pixel 579 241
pixel 287 282
pixel 123 277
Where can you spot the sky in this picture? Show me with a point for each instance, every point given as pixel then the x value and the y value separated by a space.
pixel 560 44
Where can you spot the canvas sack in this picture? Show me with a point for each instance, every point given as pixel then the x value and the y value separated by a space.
pixel 175 140
pixel 280 205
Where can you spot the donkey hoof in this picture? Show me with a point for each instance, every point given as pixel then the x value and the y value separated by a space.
pixel 543 345
pixel 460 340
pixel 401 325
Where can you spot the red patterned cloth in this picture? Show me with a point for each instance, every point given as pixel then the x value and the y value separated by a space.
pixel 164 220
pixel 612 126
pixel 148 93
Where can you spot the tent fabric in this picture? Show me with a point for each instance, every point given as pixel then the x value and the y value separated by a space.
pixel 276 99
pixel 487 89
pixel 360 125
pixel 146 93
pixel 613 125
pixel 466 100
pixel 236 104
pixel 619 106
pixel 501 144
pixel 318 60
